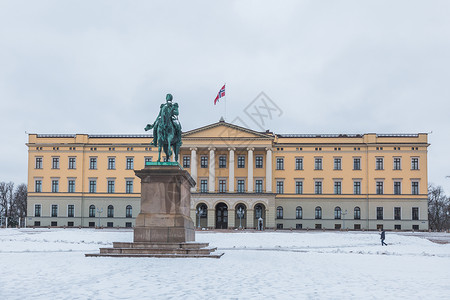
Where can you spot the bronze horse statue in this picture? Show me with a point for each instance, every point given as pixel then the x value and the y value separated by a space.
pixel 167 130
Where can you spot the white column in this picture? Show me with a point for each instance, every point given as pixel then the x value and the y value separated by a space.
pixel 231 170
pixel 268 170
pixel 194 167
pixel 212 170
pixel 250 170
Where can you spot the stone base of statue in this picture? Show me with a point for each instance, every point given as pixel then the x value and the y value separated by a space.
pixel 163 226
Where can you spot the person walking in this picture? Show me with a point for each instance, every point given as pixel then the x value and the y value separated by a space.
pixel 383 237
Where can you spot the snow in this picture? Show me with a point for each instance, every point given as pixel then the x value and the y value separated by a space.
pixel 50 263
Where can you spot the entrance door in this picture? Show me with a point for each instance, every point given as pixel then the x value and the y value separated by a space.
pixel 221 216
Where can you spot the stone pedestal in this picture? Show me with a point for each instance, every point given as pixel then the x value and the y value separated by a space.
pixel 164 227
pixel 165 205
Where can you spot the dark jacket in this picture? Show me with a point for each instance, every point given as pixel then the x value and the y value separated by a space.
pixel 383 235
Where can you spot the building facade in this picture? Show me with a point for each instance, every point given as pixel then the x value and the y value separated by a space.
pixel 289 181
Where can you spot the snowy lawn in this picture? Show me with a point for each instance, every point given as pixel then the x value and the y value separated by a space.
pixel 50 264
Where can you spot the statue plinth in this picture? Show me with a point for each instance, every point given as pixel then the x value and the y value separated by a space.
pixel 165 204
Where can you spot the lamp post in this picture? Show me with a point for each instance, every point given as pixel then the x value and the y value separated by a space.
pixel 240 214
pixel 199 213
pixel 99 211
pixel 344 213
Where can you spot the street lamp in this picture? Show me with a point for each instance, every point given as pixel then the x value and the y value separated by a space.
pixel 240 214
pixel 99 210
pixel 344 213
pixel 199 213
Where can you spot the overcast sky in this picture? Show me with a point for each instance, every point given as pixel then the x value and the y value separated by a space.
pixel 329 67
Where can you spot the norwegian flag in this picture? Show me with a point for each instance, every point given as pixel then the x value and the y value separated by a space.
pixel 220 94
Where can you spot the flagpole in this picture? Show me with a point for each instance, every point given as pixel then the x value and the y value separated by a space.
pixel 225 101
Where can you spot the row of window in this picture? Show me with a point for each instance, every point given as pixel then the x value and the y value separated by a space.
pixel 337 165
pixel 72 163
pixel 91 224
pixel 356 213
pixel 92 211
pixel 111 186
pixel 318 187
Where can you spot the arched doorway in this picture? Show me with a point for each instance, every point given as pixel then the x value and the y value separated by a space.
pixel 221 216
pixel 260 212
pixel 240 219
pixel 201 216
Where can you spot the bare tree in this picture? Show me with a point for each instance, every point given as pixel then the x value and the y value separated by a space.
pixel 438 208
pixel 19 205
pixel 6 199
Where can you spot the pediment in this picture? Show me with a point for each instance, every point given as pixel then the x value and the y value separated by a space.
pixel 225 131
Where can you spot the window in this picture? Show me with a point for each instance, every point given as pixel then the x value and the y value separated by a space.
pixel 357 213
pixel 70 210
pixel 357 187
pixel 38 164
pixel 379 213
pixel 241 161
pixel 299 163
pixel 54 210
pixel 69 224
pixel 337 212
pixel 111 163
pixel 109 224
pixel 397 213
pixel 338 164
pixel 203 186
pixel 37 210
pixel 148 159
pixel 298 226
pixel 414 163
pixel 280 187
pixel 55 186
pixel 415 227
pixel 71 186
pixel 379 188
pixel 318 187
pixel 130 163
pixel 258 186
pixel 397 163
pixel 357 164
pixel 318 226
pixel 299 187
pixel 38 186
pixel 298 212
pixel 55 163
pixel 111 183
pixel 318 214
pixel 279 226
pixel 415 213
pixel 92 186
pixel 258 211
pixel 258 162
pixel 92 211
pixel 240 186
pixel 110 212
pixel 338 187
pixel 186 161
pixel 129 186
pixel 128 225
pixel 318 164
pixel 53 223
pixel 280 163
pixel 279 212
pixel 415 187
pixel 398 227
pixel 203 161
pixel 222 161
pixel 397 187
pixel 222 185
pixel 93 163
pixel 129 212
pixel 379 163
pixel 72 163
pixel 357 227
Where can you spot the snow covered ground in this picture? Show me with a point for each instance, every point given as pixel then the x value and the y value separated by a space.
pixel 50 264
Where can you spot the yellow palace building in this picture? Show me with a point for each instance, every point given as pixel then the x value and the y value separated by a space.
pixel 287 181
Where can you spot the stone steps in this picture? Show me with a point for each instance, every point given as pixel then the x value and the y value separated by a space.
pixel 148 249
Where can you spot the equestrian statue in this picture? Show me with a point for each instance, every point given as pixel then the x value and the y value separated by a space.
pixel 167 129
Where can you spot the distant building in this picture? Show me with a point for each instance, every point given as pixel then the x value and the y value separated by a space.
pixel 298 181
